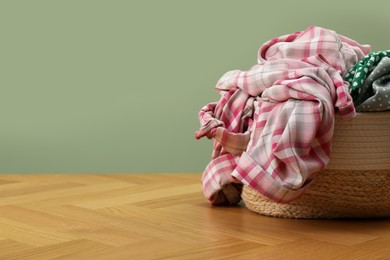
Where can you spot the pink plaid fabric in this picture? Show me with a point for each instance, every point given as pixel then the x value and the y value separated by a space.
pixel 273 125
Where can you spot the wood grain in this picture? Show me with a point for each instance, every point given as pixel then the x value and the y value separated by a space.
pixel 161 216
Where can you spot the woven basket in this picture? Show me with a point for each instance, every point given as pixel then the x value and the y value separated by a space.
pixel 356 182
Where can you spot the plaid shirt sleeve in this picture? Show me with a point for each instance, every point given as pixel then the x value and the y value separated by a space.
pixel 278 144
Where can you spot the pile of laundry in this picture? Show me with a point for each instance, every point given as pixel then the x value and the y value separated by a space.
pixel 273 125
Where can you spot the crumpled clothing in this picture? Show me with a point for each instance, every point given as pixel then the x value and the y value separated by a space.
pixel 370 82
pixel 285 104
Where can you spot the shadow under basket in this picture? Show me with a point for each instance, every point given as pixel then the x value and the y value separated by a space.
pixel 356 182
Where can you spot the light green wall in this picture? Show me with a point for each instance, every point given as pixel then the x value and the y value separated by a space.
pixel 115 86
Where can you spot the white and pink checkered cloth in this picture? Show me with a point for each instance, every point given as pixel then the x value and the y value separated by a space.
pixel 273 125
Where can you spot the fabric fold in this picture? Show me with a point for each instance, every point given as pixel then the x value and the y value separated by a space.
pixel 370 82
pixel 286 105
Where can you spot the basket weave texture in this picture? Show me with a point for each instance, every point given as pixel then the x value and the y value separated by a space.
pixel 356 182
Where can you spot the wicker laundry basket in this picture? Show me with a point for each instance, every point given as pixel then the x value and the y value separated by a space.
pixel 356 182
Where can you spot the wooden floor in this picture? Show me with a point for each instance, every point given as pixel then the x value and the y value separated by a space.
pixel 161 216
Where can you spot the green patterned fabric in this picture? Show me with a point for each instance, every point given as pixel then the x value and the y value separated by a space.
pixel 358 73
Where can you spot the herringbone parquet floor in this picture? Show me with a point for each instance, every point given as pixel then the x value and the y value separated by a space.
pixel 161 216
